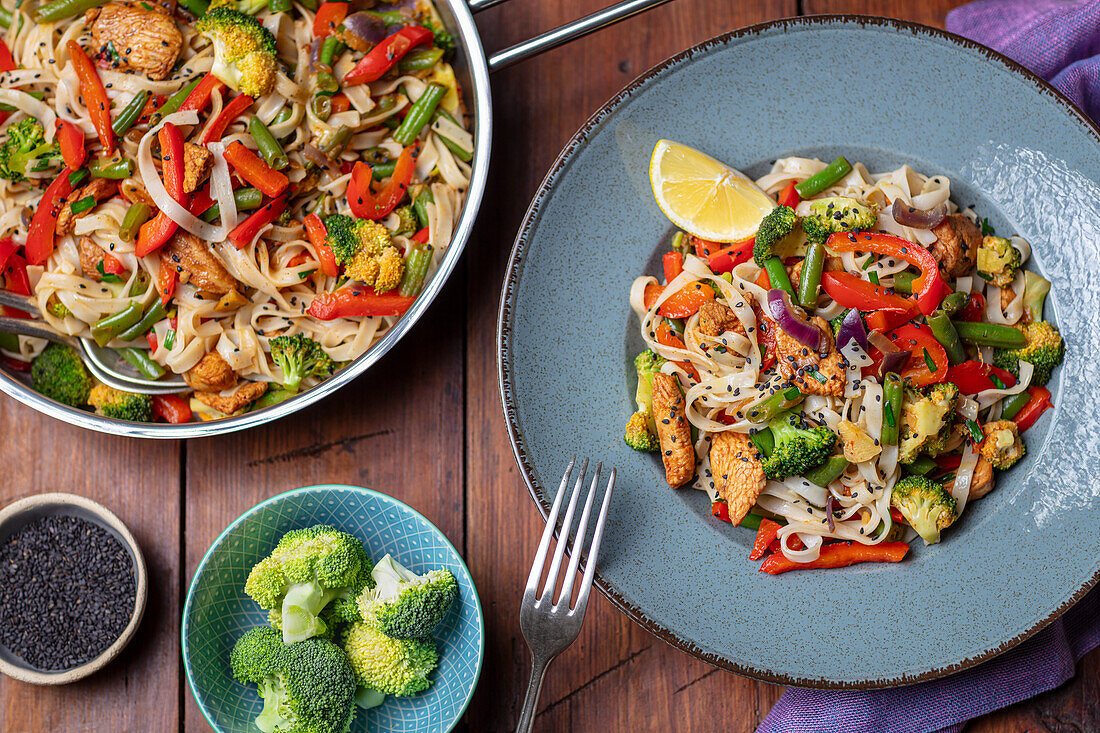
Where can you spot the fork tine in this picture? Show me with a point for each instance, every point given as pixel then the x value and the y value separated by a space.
pixel 594 550
pixel 563 539
pixel 578 542
pixel 544 543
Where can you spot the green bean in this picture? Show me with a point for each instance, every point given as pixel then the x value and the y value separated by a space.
pixel 154 315
pixel 942 330
pixel 811 275
pixel 818 182
pixel 903 281
pixel 9 342
pixel 136 215
pixel 764 441
pixel 921 466
pixel 677 325
pixel 1013 404
pixel 420 205
pixel 140 360
pixel 57 10
pixel 777 274
pixel 331 47
pixel 390 17
pixel 321 107
pixel 990 334
pixel 130 113
pixel 271 397
pixel 459 152
pixel 112 169
pixel 107 328
pixel 245 199
pixel 77 177
pixel 416 268
pixel 339 141
pixel 326 84
pixel 777 402
pixel 827 472
pixel 311 5
pixel 6 17
pixel 270 149
pixel 173 103
pixel 383 169
pixel 419 114
pixel 139 286
pixel 420 59
pixel 81 205
pixel 279 6
pixel 197 8
pixel 891 409
pixel 954 303
pixel 284 114
pixel 752 521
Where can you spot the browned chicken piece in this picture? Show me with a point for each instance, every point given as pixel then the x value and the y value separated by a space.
pixel 673 430
pixel 196 164
pixel 143 39
pixel 956 245
pixel 981 483
pixel 717 318
pixel 244 395
pixel 737 471
pixel 189 255
pixel 99 188
pixel 794 272
pixel 211 374
pixel 799 364
pixel 91 254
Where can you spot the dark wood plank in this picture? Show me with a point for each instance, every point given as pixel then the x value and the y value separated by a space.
pixel 139 481
pixel 603 679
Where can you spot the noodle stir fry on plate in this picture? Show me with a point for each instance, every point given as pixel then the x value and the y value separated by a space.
pixel 248 195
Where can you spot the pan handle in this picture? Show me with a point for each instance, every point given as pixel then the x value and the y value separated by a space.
pixel 564 34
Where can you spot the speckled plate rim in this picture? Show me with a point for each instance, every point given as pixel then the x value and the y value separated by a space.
pixel 184 625
pixel 506 315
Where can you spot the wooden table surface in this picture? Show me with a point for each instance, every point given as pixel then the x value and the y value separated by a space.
pixel 425 425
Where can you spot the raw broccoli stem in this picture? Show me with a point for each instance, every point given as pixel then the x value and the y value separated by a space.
pixel 891 409
pixel 270 149
pixel 940 325
pixel 1013 404
pixel 990 334
pixel 764 441
pixel 111 169
pixel 903 282
pixel 416 268
pixel 810 277
pixel 777 402
pixel 109 327
pixel 155 313
pixel 827 472
pixel 139 359
pixel 61 9
pixel 269 398
pixel 777 275
pixel 921 466
pixel 130 113
pixel 818 182
pixel 419 114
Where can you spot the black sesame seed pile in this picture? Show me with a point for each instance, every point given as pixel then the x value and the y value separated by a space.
pixel 66 592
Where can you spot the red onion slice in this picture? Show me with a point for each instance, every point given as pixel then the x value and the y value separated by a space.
pixel 917 218
pixel 895 361
pixel 369 29
pixel 880 342
pixel 315 156
pixel 852 328
pixel 792 320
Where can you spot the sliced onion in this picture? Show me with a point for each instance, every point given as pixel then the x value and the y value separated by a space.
pixel 851 328
pixel 793 323
pixel 368 28
pixel 315 156
pixel 829 504
pixel 880 342
pixel 895 361
pixel 315 53
pixel 915 218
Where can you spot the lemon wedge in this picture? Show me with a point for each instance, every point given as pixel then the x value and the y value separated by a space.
pixel 704 197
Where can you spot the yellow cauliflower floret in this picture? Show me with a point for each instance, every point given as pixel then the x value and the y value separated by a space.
pixel 391 267
pixel 363 267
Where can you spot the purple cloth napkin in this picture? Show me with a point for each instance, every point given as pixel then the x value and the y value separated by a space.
pixel 1059 41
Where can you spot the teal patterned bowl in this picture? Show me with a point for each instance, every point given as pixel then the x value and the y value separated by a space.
pixel 218 612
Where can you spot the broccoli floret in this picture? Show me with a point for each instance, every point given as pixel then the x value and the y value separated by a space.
pixel 1036 288
pixel 998 261
pixel 926 418
pixel 407 223
pixel 300 357
pixel 348 235
pixel 1044 349
pixel 60 374
pixel 1003 447
pixel 779 222
pixel 390 666
pixel 638 435
pixel 19 153
pixel 111 402
pixel 926 506
pixel 308 687
pixel 796 449
pixel 307 570
pixel 646 364
pixel 405 605
pixel 834 214
pixel 443 39
pixel 244 51
pixel 383 270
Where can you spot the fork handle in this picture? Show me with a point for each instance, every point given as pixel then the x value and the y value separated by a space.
pixel 534 687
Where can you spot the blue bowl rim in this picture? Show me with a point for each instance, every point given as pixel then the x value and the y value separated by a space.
pixel 311 489
pixel 506 313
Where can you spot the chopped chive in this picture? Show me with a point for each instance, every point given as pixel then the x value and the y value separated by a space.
pixel 169 340
pixel 976 434
pixel 873 277
pixel 928 360
pixel 307 273
pixel 888 413
pixel 868 262
pixel 83 204
pixel 947 478
pixel 77 177
pixel 996 381
pixel 818 376
pixel 792 393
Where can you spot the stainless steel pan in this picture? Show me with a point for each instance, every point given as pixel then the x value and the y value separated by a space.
pixel 472 67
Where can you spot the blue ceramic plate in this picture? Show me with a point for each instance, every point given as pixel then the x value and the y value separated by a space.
pixel 218 612
pixel 1012 147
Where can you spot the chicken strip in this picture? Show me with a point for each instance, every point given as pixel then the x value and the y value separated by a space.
pixel 196 164
pixel 99 189
pixel 189 255
pixel 737 471
pixel 243 396
pixel 211 374
pixel 136 37
pixel 717 318
pixel 673 430
pixel 956 245
pixel 807 369
pixel 91 254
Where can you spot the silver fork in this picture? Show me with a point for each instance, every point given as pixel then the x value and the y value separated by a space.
pixel 549 629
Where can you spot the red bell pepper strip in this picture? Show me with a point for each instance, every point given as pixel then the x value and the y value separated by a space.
pixel 666 337
pixel 764 538
pixel 972 377
pixel 156 232
pixel 884 321
pixel 929 287
pixel 974 310
pixel 171 408
pixel 8 247
pixel 231 111
pixel 255 170
pixel 681 304
pixel 112 265
pixel 721 510
pixel 94 96
pixel 852 291
pixel 422 236
pixel 7 61
pixel 167 279
pixel 358 301
pixel 40 239
pixel 704 248
pixel 367 205
pixel 71 141
pixel 199 97
pixel 673 264
pixel 247 230
pixel 315 230
pixel 386 54
pixel 730 256
pixel 1033 408
pixel 329 16
pixel 340 103
pixel 789 197
pixel 916 338
pixel 838 555
pixel 16 281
